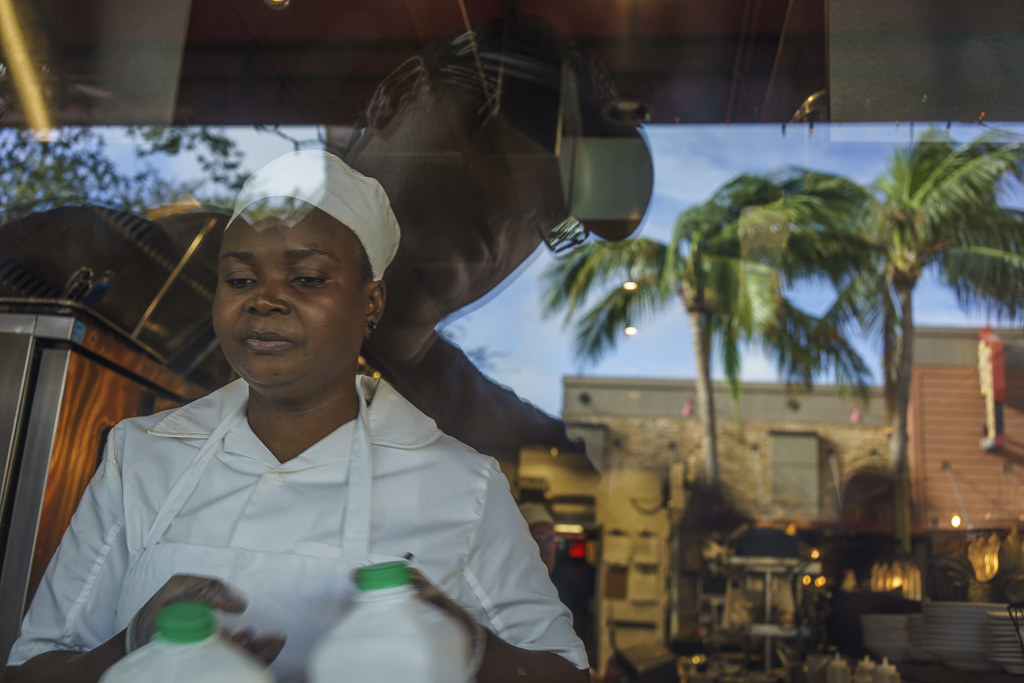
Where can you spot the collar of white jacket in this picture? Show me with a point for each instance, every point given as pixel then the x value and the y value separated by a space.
pixel 323 180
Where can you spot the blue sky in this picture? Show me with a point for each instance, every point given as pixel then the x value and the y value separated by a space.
pixel 531 353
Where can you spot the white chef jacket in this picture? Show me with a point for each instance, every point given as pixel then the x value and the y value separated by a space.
pixel 432 497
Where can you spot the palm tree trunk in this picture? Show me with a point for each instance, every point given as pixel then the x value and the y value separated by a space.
pixel 899 461
pixel 705 399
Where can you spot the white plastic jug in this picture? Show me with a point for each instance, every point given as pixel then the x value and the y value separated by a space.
pixel 838 671
pixel 390 635
pixel 865 672
pixel 187 649
pixel 886 673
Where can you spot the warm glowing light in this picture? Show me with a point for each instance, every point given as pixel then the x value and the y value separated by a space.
pixel 815 554
pixel 629 286
pixel 955 521
pixel 791 529
pixel 23 71
pixel 277 4
pixel 897 581
pixel 376 374
pixel 554 452
pixel 568 528
pixel 806 580
pixel 630 331
pixel 820 581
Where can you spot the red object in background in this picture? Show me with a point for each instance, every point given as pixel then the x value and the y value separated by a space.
pixel 577 549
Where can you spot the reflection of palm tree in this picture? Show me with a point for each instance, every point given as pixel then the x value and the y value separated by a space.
pixel 936 206
pixel 727 261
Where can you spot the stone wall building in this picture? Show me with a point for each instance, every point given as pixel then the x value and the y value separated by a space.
pixel 650 424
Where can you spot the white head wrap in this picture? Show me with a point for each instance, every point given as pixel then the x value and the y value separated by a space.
pixel 326 182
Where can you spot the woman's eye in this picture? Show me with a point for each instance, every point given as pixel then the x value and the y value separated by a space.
pixel 238 281
pixel 309 280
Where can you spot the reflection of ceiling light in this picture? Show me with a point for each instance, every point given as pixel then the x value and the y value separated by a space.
pixel 629 286
pixel 568 528
pixel 630 331
pixel 277 4
pixel 23 71
pixel 955 521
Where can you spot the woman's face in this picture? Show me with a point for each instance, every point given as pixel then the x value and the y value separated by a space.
pixel 291 309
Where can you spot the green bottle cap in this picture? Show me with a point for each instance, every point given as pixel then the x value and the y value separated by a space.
pixel 383 575
pixel 186 622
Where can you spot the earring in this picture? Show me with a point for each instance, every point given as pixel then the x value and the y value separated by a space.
pixel 370 325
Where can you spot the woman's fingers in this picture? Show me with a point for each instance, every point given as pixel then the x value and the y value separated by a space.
pixel 243 638
pixel 179 588
pixel 266 648
pixel 216 594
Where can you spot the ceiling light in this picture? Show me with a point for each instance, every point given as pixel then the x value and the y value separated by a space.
pixel 815 554
pixel 630 331
pixel 955 521
pixel 568 528
pixel 23 72
pixel 820 581
pixel 630 286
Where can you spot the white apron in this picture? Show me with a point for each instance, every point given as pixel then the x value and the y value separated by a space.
pixel 296 595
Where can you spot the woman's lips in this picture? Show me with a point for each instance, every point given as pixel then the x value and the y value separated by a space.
pixel 266 343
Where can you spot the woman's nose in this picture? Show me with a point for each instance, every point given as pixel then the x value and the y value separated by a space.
pixel 267 300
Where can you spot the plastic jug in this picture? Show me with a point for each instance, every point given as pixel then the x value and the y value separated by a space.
pixel 886 672
pixel 865 672
pixel 187 649
pixel 390 635
pixel 838 671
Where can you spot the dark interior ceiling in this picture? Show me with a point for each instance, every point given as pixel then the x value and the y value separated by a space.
pixel 318 62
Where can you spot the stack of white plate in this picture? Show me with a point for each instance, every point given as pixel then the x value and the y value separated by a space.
pixel 956 633
pixel 1003 646
pixel 886 635
pixel 918 637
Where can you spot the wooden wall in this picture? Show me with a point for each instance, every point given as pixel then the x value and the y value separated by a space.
pixel 946 422
pixel 95 399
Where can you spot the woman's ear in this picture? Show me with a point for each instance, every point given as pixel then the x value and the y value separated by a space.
pixel 376 293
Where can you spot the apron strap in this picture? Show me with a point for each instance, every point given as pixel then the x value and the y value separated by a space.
pixel 355 530
pixel 188 481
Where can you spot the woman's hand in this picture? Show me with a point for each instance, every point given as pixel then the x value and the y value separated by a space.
pixel 182 587
pixel 494 660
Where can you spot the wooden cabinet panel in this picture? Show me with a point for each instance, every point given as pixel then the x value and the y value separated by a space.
pixel 95 398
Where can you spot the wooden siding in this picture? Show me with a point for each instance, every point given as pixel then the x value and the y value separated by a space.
pixel 946 424
pixel 95 399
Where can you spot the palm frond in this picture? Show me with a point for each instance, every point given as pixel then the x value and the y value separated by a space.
pixel 804 346
pixel 600 328
pixel 571 279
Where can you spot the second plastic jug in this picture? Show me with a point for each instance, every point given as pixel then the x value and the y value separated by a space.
pixel 390 635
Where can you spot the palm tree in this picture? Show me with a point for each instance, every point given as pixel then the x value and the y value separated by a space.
pixel 726 263
pixel 935 207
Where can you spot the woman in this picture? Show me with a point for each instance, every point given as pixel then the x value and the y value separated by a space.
pixel 262 497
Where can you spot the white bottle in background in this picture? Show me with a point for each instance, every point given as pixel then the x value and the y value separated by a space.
pixel 838 671
pixel 865 672
pixel 187 649
pixel 886 672
pixel 390 635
